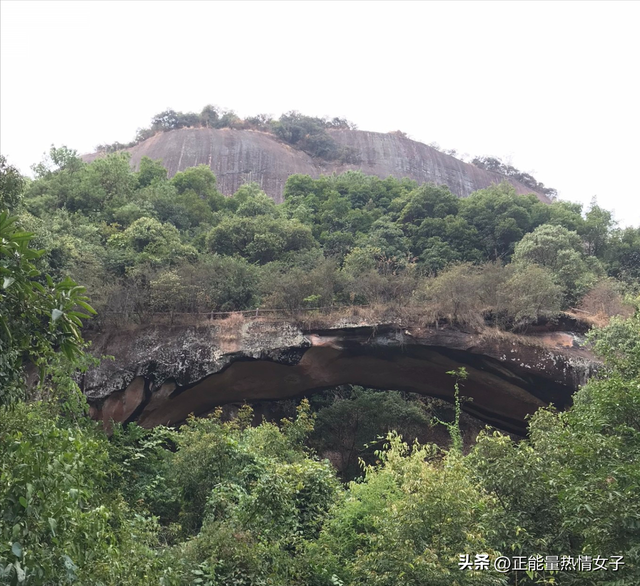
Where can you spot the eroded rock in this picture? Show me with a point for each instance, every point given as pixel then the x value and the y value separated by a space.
pixel 161 374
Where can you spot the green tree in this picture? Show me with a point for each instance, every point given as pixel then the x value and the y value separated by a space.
pixel 355 418
pixel 501 218
pixel 59 522
pixel 560 251
pixel 209 117
pixel 622 254
pixel 596 229
pixel 259 239
pixel 411 517
pixel 149 241
pixel 11 185
pixel 529 294
pixel 150 172
pixel 37 319
pixel 572 486
pixel 200 181
pixel 428 201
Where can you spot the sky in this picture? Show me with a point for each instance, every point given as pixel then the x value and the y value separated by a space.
pixel 550 87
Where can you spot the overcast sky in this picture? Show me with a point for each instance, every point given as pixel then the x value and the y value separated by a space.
pixel 552 87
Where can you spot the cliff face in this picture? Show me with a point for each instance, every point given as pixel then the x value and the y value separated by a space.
pixel 161 374
pixel 240 156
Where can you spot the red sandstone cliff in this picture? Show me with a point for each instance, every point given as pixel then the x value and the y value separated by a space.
pixel 240 156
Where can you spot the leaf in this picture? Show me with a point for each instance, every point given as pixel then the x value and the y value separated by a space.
pixel 20 574
pixel 79 315
pixel 8 281
pixel 56 314
pixel 23 502
pixel 16 549
pixel 87 307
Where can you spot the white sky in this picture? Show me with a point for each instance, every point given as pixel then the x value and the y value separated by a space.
pixel 551 86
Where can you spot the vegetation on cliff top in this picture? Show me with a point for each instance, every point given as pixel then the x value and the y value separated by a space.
pixel 307 133
pixel 145 244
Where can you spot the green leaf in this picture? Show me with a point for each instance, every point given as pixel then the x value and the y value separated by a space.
pixel 23 502
pixel 87 307
pixel 16 549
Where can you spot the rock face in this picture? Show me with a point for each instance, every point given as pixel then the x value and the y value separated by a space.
pixel 161 374
pixel 240 156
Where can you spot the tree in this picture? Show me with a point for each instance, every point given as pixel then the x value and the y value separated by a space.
pixel 559 250
pixel 428 201
pixel 58 159
pixel 623 254
pixel 573 485
pixel 258 204
pixel 355 417
pixel 596 229
pixel 167 120
pixel 11 185
pixel 411 516
pixel 529 294
pixel 38 320
pixel 149 241
pixel 201 181
pixel 150 172
pixel 259 239
pixel 209 116
pixel 501 218
pixel 54 494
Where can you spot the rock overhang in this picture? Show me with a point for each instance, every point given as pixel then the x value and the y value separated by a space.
pixel 160 374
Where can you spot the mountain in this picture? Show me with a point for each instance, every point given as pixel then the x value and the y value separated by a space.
pixel 239 156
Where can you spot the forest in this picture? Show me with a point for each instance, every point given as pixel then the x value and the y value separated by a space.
pixel 223 501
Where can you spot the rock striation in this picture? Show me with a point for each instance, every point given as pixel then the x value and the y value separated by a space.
pixel 240 156
pixel 161 374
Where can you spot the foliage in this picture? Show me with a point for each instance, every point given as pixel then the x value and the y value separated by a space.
pixel 259 239
pixel 560 251
pixel 387 240
pixel 59 523
pixel 354 417
pixel 36 320
pixel 409 519
pixel 497 166
pixel 305 132
pixel 11 185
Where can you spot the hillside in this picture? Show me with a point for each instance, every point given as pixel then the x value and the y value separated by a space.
pixel 239 156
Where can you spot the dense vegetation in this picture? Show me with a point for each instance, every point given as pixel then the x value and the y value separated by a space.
pixel 223 502
pixel 144 243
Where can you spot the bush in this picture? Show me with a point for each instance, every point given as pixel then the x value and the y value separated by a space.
pixel 605 300
pixel 528 295
pixel 297 287
pixel 60 523
pixel 452 296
